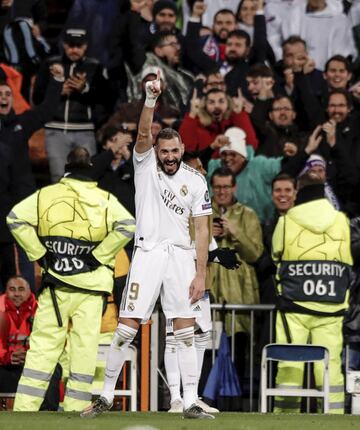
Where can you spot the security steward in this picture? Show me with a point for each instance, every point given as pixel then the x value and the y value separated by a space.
pixel 74 230
pixel 311 246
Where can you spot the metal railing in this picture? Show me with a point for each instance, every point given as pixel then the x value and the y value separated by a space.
pixel 228 308
pixel 252 309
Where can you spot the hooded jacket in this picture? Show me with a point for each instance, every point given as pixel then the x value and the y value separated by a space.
pixel 253 183
pixel 70 223
pixel 311 246
pixel 16 178
pixel 326 32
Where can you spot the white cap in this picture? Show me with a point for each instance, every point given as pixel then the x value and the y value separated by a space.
pixel 152 70
pixel 237 138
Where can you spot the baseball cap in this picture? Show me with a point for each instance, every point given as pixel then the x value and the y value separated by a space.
pixel 152 70
pixel 237 138
pixel 75 36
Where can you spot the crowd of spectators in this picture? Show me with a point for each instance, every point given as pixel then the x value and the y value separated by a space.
pixel 258 90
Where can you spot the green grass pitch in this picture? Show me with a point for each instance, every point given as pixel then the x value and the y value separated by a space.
pixel 165 421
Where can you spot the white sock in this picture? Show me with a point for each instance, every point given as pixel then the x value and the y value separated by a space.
pixel 201 341
pixel 172 367
pixel 123 336
pixel 187 363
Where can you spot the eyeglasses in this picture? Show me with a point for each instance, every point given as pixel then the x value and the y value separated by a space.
pixel 222 187
pixel 284 108
pixel 173 44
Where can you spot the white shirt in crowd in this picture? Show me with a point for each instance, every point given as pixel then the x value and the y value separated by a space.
pixel 212 6
pixel 326 33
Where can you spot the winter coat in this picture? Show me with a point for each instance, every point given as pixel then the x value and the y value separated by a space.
pixel 239 286
pixel 253 183
pixel 75 112
pixel 16 179
pixel 15 327
pixel 197 137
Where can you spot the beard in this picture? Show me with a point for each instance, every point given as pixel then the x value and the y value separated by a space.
pixel 222 35
pixel 233 58
pixel 163 165
pixel 217 115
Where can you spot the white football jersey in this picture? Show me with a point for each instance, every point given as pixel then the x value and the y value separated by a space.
pixel 164 203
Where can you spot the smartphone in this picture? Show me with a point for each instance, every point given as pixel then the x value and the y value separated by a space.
pixel 218 221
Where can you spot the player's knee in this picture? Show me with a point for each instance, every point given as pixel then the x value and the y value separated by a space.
pixel 124 335
pixel 202 339
pixel 184 337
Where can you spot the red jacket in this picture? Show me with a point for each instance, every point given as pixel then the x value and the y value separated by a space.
pixel 15 327
pixel 196 137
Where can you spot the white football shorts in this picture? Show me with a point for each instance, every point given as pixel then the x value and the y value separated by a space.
pixel 166 270
pixel 202 321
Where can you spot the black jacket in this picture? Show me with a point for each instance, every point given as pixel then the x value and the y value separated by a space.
pixel 265 267
pixel 348 136
pixel 77 111
pixel 351 327
pixel 34 9
pixel 260 52
pixel 272 138
pixel 16 178
pixel 119 182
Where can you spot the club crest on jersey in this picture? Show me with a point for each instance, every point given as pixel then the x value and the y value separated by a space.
pixel 184 190
pixel 131 307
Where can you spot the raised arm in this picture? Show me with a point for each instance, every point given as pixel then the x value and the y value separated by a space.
pixel 144 138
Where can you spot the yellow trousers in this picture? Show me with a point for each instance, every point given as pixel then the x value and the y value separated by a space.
pixel 47 342
pixel 324 331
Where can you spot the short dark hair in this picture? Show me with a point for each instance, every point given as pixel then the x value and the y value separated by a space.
pixel 214 91
pixel 223 172
pixel 260 70
pixel 18 277
pixel 5 82
pixel 283 177
pixel 108 131
pixel 223 11
pixel 190 155
pixel 309 178
pixel 159 38
pixel 292 40
pixel 344 93
pixel 214 70
pixel 280 97
pixel 78 157
pixel 240 34
pixel 340 59
pixel 167 134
